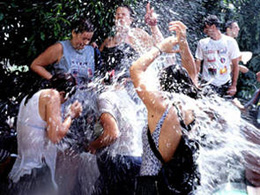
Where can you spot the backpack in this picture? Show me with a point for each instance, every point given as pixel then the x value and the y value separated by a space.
pixel 179 175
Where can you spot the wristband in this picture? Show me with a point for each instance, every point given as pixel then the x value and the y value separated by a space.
pixel 69 115
pixel 158 49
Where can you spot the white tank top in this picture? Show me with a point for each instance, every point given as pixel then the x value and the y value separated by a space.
pixel 34 147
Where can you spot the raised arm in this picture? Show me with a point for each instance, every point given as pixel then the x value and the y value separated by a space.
pixel 151 21
pixel 51 55
pixel 187 58
pixel 139 67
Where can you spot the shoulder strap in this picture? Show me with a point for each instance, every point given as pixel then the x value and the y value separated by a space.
pixel 150 139
pixel 153 147
pixel 187 127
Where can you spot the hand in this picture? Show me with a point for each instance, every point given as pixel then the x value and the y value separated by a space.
pixel 232 90
pixel 150 17
pixel 180 29
pixel 75 109
pixel 93 44
pixel 91 149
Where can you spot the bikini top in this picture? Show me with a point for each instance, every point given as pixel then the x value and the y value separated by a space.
pixel 151 165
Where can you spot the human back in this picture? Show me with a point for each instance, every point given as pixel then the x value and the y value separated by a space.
pixel 39 128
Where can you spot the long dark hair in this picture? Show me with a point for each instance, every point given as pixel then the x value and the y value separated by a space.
pixel 175 79
pixel 61 82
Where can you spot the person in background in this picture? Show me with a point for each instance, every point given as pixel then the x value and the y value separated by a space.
pixel 73 56
pixel 120 50
pixel 218 51
pixel 232 30
pixel 39 128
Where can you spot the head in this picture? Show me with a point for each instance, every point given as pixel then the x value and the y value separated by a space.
pixel 124 15
pixel 232 28
pixel 82 33
pixel 211 25
pixel 175 79
pixel 65 84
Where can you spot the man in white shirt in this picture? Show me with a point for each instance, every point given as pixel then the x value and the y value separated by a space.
pixel 217 52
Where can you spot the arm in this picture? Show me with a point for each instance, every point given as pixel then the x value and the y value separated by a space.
pixel 233 88
pixel 51 55
pixel 151 20
pixel 56 129
pixel 198 65
pixel 139 67
pixel 104 44
pixel 109 135
pixel 187 59
pixel 243 69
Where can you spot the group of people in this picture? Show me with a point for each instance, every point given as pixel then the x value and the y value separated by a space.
pixel 127 110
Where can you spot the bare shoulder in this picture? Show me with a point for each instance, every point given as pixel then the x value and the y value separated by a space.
pixel 155 101
pixel 57 48
pixel 48 95
pixel 140 32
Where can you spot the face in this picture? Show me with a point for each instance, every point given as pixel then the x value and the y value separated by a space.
pixel 235 29
pixel 123 17
pixel 80 40
pixel 209 30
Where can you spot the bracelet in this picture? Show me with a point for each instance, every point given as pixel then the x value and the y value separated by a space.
pixel 68 115
pixel 158 49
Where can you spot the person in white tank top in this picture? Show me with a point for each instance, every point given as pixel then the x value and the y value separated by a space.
pixel 39 128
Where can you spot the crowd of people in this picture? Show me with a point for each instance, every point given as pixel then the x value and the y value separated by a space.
pixel 137 130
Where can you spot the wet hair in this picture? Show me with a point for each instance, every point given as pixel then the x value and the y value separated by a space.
pixel 82 25
pixel 211 20
pixel 64 82
pixel 132 13
pixel 229 24
pixel 61 82
pixel 175 79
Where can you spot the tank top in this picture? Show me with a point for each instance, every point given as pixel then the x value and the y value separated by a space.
pixel 80 63
pixel 34 148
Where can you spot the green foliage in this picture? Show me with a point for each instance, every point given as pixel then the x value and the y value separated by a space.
pixel 29 27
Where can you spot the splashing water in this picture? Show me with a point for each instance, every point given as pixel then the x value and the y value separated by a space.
pixel 228 144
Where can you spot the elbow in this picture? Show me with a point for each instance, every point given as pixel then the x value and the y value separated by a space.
pixel 33 67
pixel 56 137
pixel 115 135
pixel 111 136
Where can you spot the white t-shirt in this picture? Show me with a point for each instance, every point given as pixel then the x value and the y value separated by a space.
pixel 217 56
pixel 124 110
